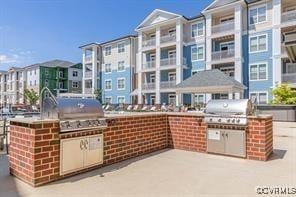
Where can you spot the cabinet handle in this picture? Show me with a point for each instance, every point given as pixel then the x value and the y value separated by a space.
pixel 85 144
pixel 81 144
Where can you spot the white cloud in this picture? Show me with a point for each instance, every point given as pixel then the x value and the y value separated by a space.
pixel 5 59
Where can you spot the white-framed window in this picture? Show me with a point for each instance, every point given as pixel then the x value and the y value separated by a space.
pixel 197 53
pixel 172 54
pixel 218 96
pixel 172 99
pixel 61 85
pixel 108 84
pixel 120 47
pixel 120 99
pixel 108 50
pixel 75 73
pixel 108 68
pixel 121 83
pixel 152 99
pixel 74 84
pixel 258 43
pixel 259 97
pixel 197 29
pixel 108 100
pixel 61 74
pixel 258 71
pixel 121 66
pixel 257 14
pixel 199 99
pixel 152 78
pixel 172 76
pixel 45 83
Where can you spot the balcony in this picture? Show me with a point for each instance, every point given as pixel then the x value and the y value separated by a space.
pixel 148 42
pixel 167 84
pixel 171 61
pixel 223 27
pixel 148 86
pixel 289 16
pixel 88 74
pixel 148 65
pixel 168 38
pixel 220 55
pixel 88 59
pixel 289 78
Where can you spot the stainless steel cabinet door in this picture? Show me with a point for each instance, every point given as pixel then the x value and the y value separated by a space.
pixel 215 141
pixel 235 143
pixel 93 154
pixel 71 155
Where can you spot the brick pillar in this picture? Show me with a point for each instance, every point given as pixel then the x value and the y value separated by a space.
pixel 34 151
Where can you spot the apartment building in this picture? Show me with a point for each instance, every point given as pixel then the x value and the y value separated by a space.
pixel 110 67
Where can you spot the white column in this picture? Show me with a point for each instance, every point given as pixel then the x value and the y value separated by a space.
pixel 139 68
pixel 157 72
pixel 230 95
pixel 276 42
pixel 94 70
pixel 179 52
pixel 238 28
pixel 208 42
pixel 179 99
pixel 83 71
pixel 208 97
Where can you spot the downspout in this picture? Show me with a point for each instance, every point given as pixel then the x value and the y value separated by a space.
pixel 247 76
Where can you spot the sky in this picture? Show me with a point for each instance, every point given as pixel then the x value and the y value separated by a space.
pixel 33 31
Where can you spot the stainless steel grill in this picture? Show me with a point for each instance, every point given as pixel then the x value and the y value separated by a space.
pixel 227 121
pixel 74 114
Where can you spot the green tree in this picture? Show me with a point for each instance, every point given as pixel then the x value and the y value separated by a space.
pixel 31 96
pixel 98 93
pixel 284 94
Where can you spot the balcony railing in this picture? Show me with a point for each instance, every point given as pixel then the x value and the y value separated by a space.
pixel 88 74
pixel 168 38
pixel 88 58
pixel 223 27
pixel 289 16
pixel 289 78
pixel 88 91
pixel 171 61
pixel 148 42
pixel 219 55
pixel 148 86
pixel 167 84
pixel 149 64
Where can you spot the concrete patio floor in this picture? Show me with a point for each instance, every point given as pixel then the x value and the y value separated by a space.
pixel 173 173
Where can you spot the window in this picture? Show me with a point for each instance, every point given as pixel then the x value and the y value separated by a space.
pixel 218 96
pixel 197 53
pixel 74 84
pixel 120 99
pixel 259 97
pixel 61 74
pixel 196 29
pixel 172 76
pixel 108 50
pixel 120 84
pixel 172 32
pixel 152 78
pixel 61 85
pixel 258 72
pixel 108 68
pixel 257 15
pixel 46 73
pixel 35 71
pixel 46 83
pixel 108 84
pixel 120 66
pixel 172 99
pixel 152 99
pixel 258 43
pixel 30 72
pixel 108 100
pixel 120 47
pixel 75 73
pixel 199 99
pixel 227 19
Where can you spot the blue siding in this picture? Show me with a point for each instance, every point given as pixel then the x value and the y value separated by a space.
pixel 257 86
pixel 114 93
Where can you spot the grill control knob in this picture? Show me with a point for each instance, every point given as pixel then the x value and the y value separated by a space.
pixel 238 120
pixel 228 120
pixel 233 120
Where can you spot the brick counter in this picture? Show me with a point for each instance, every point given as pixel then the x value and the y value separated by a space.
pixel 35 146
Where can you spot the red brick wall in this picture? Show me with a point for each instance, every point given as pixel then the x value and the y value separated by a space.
pixel 187 133
pixel 133 136
pixel 34 152
pixel 259 138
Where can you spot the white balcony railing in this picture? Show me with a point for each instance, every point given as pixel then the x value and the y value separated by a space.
pixel 168 38
pixel 171 61
pixel 149 64
pixel 167 84
pixel 219 55
pixel 148 42
pixel 289 16
pixel 88 91
pixel 289 78
pixel 148 86
pixel 223 27
pixel 88 74
pixel 88 58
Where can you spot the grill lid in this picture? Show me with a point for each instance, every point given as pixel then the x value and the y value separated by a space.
pixel 241 107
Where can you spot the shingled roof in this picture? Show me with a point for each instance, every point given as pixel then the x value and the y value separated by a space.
pixel 210 79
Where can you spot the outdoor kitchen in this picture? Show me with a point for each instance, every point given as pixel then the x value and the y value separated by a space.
pixel 74 136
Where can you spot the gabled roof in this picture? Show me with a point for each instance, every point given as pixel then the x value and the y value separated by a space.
pixel 223 3
pixel 208 79
pixel 157 16
pixel 53 64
